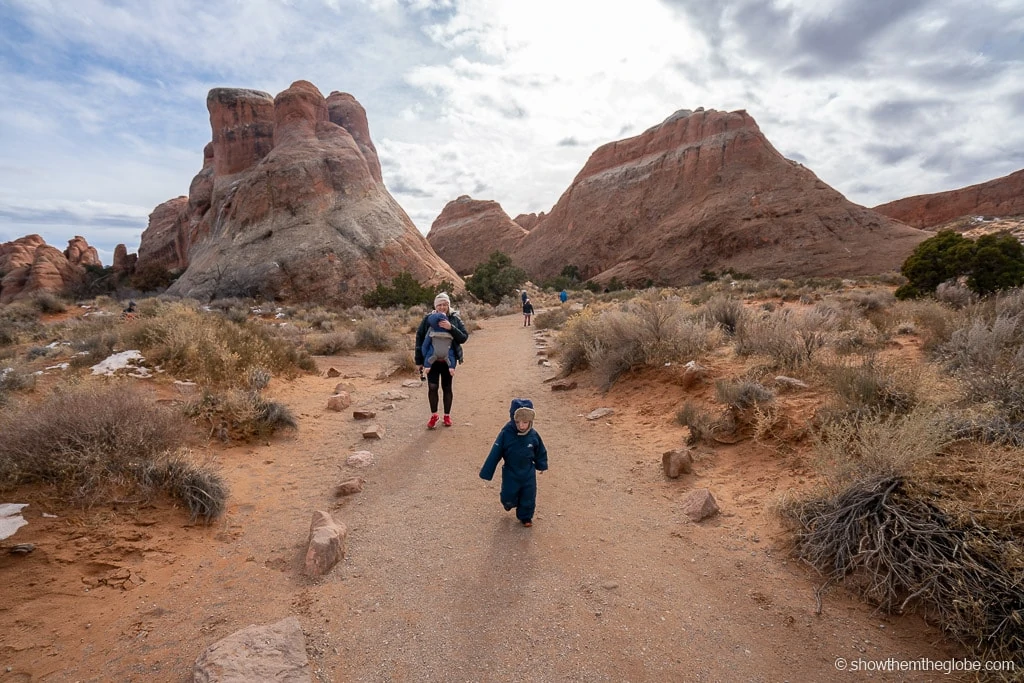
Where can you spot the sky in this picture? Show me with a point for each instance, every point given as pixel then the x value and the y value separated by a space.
pixel 103 102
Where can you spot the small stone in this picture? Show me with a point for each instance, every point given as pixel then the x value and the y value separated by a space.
pixel 364 414
pixel 350 486
pixel 331 372
pixel 374 432
pixel 599 413
pixel 563 385
pixel 610 585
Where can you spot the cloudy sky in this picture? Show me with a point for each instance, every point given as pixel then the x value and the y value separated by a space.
pixel 103 102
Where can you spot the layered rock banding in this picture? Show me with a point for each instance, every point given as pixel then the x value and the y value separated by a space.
pixel 289 206
pixel 1000 197
pixel 701 191
pixel 468 231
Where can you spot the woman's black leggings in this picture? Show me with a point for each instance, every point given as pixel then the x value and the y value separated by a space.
pixel 438 374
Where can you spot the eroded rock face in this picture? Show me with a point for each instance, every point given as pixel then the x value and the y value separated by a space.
pixel 124 263
pixel 80 253
pixel 469 230
pixel 706 190
pixel 528 221
pixel 289 206
pixel 29 265
pixel 997 198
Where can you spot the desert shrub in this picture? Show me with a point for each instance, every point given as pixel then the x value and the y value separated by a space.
pixel 209 349
pixel 14 378
pixel 404 291
pixel 577 340
pixel 742 395
pixel 552 318
pixel 856 447
pixel 954 294
pixel 869 388
pixel 402 360
pixel 701 423
pixel 373 334
pixel 989 358
pixel 648 333
pixel 872 300
pixel 495 279
pixel 331 344
pixel 92 444
pixel 790 338
pixel 47 302
pixel 18 321
pixel 898 549
pixel 199 486
pixel 724 311
pixel 997 263
pixel 239 415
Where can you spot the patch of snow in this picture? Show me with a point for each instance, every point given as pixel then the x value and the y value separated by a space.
pixel 59 366
pixel 126 360
pixel 11 519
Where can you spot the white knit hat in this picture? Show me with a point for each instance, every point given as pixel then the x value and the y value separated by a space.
pixel 442 297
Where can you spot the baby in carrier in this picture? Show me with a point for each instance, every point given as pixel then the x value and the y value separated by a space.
pixel 437 345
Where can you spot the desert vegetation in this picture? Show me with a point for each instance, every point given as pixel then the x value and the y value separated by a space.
pixel 913 430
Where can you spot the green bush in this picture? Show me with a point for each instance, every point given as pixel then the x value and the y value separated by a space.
pixel 404 291
pixel 495 279
pixel 993 263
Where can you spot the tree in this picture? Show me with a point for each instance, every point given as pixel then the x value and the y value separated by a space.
pixel 495 278
pixel 946 256
pixel 404 291
pixel 997 263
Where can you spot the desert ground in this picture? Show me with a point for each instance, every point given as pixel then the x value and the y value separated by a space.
pixel 439 583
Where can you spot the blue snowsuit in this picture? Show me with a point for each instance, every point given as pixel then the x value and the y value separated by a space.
pixel 523 454
pixel 433 321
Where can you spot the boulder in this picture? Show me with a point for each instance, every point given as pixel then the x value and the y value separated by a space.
pixel 326 544
pixel 275 652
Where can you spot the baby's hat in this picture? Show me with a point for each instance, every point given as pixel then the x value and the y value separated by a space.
pixel 522 409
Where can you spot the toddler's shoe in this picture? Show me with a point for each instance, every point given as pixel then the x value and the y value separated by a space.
pixel 527 522
pixel 433 421
pixel 447 420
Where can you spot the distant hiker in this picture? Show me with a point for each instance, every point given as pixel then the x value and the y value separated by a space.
pixel 129 312
pixel 563 296
pixel 437 345
pixel 527 312
pixel 439 374
pixel 522 449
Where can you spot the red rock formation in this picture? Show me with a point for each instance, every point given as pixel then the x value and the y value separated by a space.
pixel 165 242
pixel 468 231
pixel 345 111
pixel 528 221
pixel 1000 198
pixel 243 128
pixel 124 263
pixel 81 254
pixel 29 265
pixel 297 210
pixel 706 190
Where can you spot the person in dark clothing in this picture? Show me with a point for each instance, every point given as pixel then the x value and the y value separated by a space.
pixel 438 375
pixel 523 451
pixel 523 295
pixel 527 312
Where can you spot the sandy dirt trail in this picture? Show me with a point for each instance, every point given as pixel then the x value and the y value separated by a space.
pixel 612 583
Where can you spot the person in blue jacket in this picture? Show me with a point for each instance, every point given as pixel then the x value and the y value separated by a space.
pixel 523 451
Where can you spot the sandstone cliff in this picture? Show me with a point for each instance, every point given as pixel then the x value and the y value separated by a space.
pixel 706 190
pixel 289 205
pixel 468 231
pixel 996 198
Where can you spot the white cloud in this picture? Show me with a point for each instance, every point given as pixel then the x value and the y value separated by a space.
pixel 102 103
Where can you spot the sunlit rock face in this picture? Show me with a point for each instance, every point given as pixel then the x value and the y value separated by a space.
pixel 289 205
